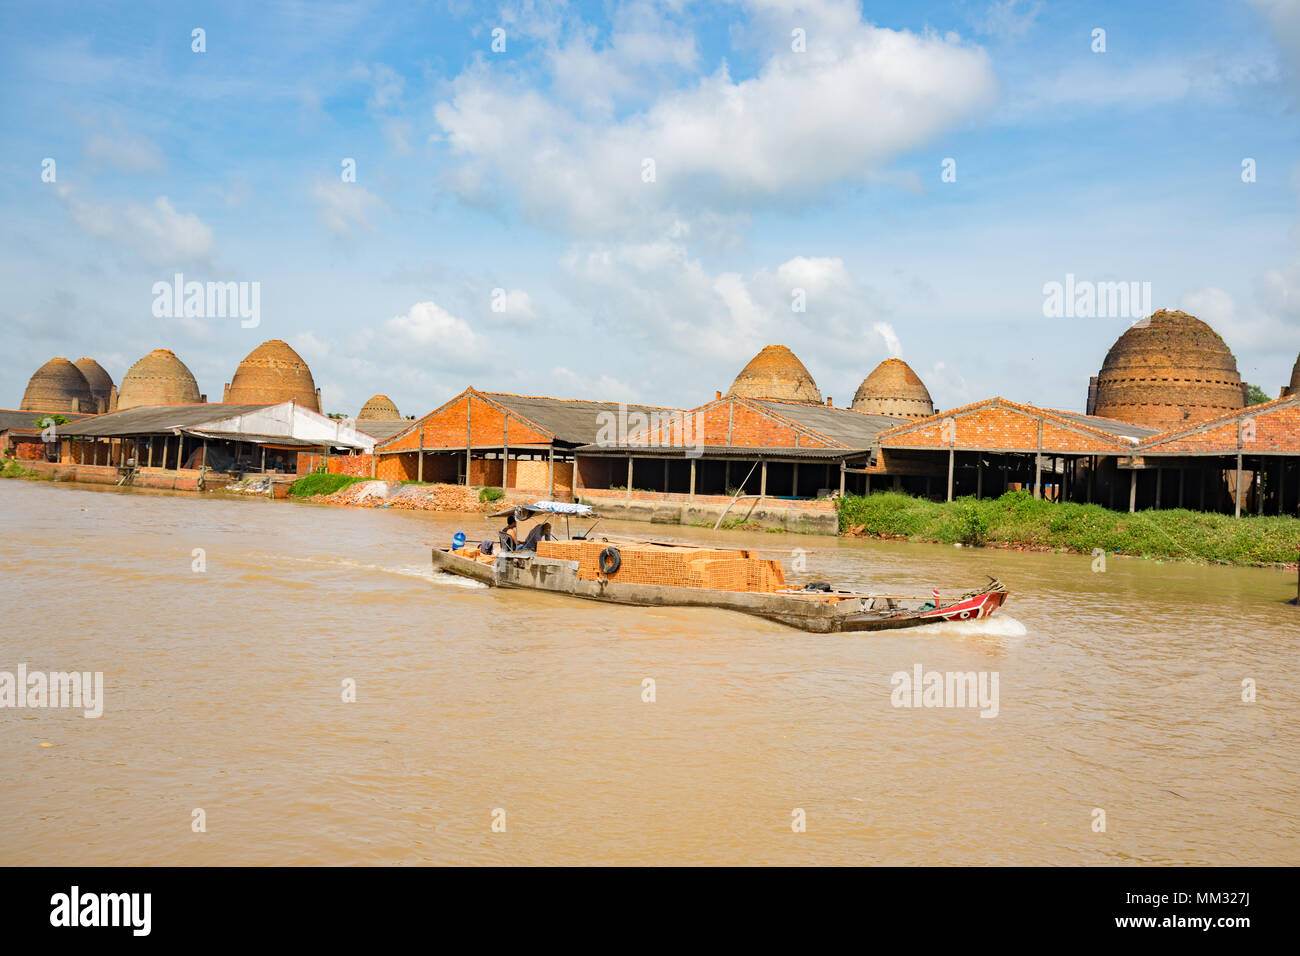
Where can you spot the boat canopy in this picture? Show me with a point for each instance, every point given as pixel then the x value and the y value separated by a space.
pixel 528 512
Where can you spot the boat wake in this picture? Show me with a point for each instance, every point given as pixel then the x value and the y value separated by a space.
pixel 423 572
pixel 999 626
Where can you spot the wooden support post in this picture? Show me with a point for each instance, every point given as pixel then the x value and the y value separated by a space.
pixel 505 453
pixel 1159 475
pixel 794 481
pixel 1132 491
pixel 952 461
pixel 843 466
pixel 1236 498
pixel 665 476
pixel 1038 463
pixel 979 476
pixel 419 461
pixel 374 460
pixel 629 477
pixel 762 481
pixel 180 452
pixel 469 433
pixel 1092 475
pixel 203 462
pixel 550 473
pixel 692 492
pixel 1259 486
pixel 83 449
pixel 726 477
pixel 868 483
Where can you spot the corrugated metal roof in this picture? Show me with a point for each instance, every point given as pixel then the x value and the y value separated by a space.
pixel 11 418
pixel 849 428
pixel 1108 425
pixel 154 419
pixel 570 421
pixel 380 429
pixel 745 452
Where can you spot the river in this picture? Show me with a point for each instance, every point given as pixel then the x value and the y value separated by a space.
pixel 1119 691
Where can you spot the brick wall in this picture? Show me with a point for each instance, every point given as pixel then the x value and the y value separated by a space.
pixel 536 475
pixel 29 450
pixel 809 504
pixel 1276 430
pixel 729 421
pixel 1003 427
pixel 446 427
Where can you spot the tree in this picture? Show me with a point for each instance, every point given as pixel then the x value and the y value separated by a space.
pixel 1256 395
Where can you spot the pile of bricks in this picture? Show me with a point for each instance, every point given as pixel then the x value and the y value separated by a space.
pixel 667 565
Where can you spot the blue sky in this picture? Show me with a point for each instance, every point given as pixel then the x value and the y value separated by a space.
pixel 523 171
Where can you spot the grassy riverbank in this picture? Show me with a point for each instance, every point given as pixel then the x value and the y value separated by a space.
pixel 1018 520
pixel 11 469
pixel 321 483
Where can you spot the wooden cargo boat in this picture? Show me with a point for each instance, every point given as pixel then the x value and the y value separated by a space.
pixel 667 574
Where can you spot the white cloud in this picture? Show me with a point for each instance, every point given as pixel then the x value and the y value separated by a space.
pixel 121 150
pixel 310 346
pixel 599 388
pixel 1009 19
pixel 517 305
pixel 345 205
pixel 859 97
pixel 387 86
pixel 1282 17
pixel 157 233
pixel 427 323
pixel 691 325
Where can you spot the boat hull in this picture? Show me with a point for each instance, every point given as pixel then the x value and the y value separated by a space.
pixel 806 611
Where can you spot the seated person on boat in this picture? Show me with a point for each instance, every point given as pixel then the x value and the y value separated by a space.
pixel 509 535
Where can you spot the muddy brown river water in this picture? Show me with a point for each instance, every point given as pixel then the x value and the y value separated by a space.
pixel 1118 691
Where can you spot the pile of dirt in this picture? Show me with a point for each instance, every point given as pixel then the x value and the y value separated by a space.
pixel 395 494
pixel 437 498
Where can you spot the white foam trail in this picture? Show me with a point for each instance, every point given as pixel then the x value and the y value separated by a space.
pixel 426 573
pixel 999 625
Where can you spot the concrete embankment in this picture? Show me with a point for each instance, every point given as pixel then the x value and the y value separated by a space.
pixel 761 513
pixel 187 479
pixel 810 517
pixel 804 517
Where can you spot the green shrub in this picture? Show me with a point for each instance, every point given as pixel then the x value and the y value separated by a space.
pixel 491 494
pixel 973 526
pixel 321 483
pixel 1018 518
